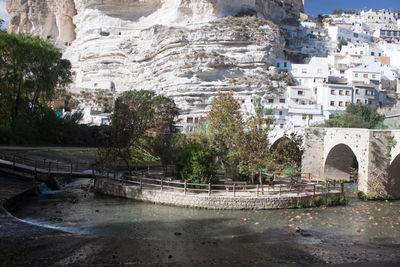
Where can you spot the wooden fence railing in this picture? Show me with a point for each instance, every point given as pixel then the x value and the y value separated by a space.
pixel 235 189
pixel 46 164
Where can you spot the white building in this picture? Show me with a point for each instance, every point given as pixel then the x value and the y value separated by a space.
pixel 316 70
pixel 380 19
pixel 364 74
pixel 334 98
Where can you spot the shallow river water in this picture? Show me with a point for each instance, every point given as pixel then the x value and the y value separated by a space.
pixel 76 211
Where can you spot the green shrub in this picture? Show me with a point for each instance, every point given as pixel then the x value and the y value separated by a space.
pixel 196 163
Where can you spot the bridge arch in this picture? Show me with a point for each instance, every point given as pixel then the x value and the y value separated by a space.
pixel 340 163
pixel 393 183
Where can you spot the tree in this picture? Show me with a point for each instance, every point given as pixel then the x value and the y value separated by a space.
pixel 342 43
pixel 287 152
pixel 225 125
pixel 139 118
pixel 337 12
pixel 196 161
pixel 30 72
pixel 253 144
pixel 357 116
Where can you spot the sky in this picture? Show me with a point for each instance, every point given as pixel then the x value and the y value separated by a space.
pixel 313 7
pixel 3 12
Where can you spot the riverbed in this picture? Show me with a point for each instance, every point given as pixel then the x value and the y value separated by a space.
pixel 357 232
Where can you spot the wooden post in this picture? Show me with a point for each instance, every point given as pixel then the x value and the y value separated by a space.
pixel 70 170
pixel 35 168
pixel 245 189
pixel 148 170
pixel 314 190
pixel 327 186
pixel 185 187
pixel 49 167
pixel 258 187
pixel 141 185
pixel 234 190
pixel 262 189
pixel 209 189
pixel 280 190
pixel 298 190
pixel 162 186
pixel 342 187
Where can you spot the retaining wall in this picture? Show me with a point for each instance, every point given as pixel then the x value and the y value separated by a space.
pixel 205 201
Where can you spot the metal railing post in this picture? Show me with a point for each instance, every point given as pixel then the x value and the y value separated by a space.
pixel 342 187
pixel 209 189
pixel 234 190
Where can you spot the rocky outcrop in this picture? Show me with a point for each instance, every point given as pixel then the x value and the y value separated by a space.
pixel 187 49
pixel 50 19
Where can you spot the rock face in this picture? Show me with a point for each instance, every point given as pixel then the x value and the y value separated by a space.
pixel 187 49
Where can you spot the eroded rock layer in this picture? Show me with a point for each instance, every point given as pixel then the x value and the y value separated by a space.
pixel 187 49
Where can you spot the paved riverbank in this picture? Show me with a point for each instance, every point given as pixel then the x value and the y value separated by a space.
pixel 22 244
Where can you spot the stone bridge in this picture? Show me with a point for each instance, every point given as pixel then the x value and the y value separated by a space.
pixel 334 153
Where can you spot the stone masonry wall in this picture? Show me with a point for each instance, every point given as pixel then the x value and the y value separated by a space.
pixel 204 201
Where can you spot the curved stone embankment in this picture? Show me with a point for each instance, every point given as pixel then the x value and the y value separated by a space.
pixel 205 201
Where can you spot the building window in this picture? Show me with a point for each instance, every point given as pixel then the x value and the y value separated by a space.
pixel 369 102
pixel 332 92
pixel 365 101
pixel 347 92
pixel 280 113
pixel 373 76
pixel 304 70
pixel 300 92
pixel 304 116
pixel 282 100
pixel 340 104
pixel 271 100
pixel 332 103
pixel 356 75
pixel 331 116
pixel 281 126
pixel 278 65
pixel 365 76
pixel 285 64
pixel 310 117
pixel 196 120
pixel 347 104
pixel 340 92
pixel 189 120
pixel 358 101
pixel 357 91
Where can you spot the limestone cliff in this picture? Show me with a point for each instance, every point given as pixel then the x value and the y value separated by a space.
pixel 187 49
